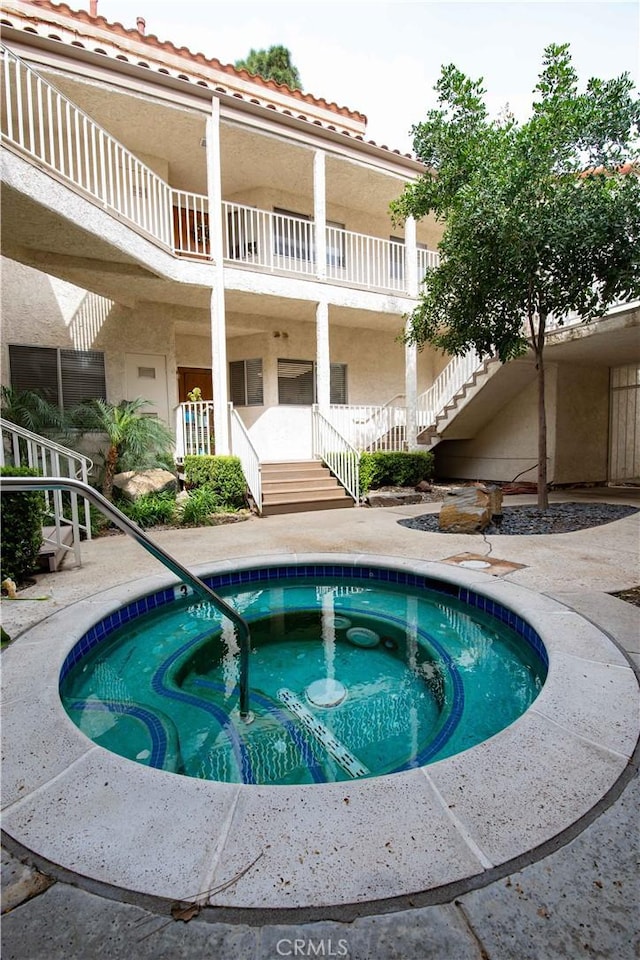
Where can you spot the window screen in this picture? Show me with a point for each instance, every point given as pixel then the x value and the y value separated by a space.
pixel 245 383
pixel 63 377
pixel 297 382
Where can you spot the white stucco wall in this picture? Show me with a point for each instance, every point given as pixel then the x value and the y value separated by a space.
pixel 39 310
pixel 582 424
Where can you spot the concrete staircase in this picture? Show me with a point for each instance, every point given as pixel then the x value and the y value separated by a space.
pixel 489 388
pixel 298 486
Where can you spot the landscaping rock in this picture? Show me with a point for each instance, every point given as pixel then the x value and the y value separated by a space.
pixel 138 483
pixel 470 509
pixel 393 499
pixel 463 515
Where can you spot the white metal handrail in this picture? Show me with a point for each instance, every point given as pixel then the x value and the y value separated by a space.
pixel 427 260
pixel 364 260
pixel 432 402
pixel 329 445
pixel 266 239
pixel 369 427
pixel 42 122
pixel 190 224
pixel 243 448
pixel 75 487
pixel 194 429
pixel 21 447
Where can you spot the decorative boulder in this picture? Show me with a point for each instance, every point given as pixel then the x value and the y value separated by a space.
pixel 470 509
pixel 138 483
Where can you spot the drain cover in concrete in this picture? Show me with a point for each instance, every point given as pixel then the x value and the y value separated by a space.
pixel 493 565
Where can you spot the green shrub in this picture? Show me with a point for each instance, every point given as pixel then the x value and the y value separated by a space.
pixel 384 468
pixel 151 509
pixel 223 476
pixel 22 518
pixel 202 502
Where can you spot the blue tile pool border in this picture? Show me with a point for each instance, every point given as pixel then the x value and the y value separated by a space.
pixel 101 630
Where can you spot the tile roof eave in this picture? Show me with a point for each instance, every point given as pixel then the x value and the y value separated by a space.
pixel 151 39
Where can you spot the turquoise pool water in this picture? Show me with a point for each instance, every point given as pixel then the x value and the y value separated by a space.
pixel 348 679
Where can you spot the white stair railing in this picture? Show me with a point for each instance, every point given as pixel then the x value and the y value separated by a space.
pixel 340 456
pixel 20 448
pixel 369 427
pixel 432 402
pixel 243 448
pixel 41 122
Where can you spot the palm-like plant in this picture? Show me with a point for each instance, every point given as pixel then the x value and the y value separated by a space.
pixel 134 441
pixel 30 410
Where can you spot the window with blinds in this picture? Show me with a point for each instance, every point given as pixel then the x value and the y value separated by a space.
pixel 64 377
pixel 245 383
pixel 297 382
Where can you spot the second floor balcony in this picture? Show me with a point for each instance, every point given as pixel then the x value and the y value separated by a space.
pixel 53 133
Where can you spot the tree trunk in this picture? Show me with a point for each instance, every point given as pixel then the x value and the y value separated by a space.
pixel 110 472
pixel 543 493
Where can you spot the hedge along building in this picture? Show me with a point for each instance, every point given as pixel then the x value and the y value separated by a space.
pixel 170 222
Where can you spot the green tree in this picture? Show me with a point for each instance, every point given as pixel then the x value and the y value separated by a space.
pixel 272 64
pixel 541 218
pixel 134 441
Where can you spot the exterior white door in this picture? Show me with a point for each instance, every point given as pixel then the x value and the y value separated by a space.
pixel 146 376
pixel 624 433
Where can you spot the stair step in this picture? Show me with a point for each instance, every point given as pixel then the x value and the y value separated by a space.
pixel 295 496
pixel 50 556
pixel 299 483
pixel 293 486
pixel 303 506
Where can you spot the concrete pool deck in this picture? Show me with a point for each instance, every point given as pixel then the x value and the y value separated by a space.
pixel 576 569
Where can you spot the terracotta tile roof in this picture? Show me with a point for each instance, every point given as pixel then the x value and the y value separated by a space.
pixel 350 123
pixel 152 40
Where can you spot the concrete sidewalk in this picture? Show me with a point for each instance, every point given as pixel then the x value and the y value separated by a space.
pixel 575 898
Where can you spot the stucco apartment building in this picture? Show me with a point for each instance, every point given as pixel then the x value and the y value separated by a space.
pixel 170 222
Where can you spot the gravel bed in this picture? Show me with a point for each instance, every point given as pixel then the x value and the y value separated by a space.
pixel 529 521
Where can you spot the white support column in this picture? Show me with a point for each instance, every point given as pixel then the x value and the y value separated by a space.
pixel 323 362
pixel 320 213
pixel 411 351
pixel 411 256
pixel 411 392
pixel 218 320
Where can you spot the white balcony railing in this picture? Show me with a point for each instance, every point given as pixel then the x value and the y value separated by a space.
pixel 194 429
pixel 20 447
pixel 427 260
pixel 190 224
pixel 40 122
pixel 365 261
pixel 242 447
pixel 275 241
pixel 341 457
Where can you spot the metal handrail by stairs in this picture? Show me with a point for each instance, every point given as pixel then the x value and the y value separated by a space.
pixel 22 484
pixel 48 457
